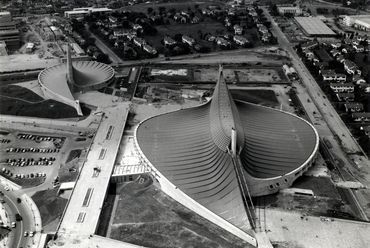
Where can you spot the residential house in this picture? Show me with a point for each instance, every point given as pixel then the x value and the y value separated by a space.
pixel 168 41
pixel 335 52
pixel 342 87
pixel 179 18
pixel 139 41
pixel 240 40
pixel 361 117
pixel 120 33
pixel 188 40
pixel 351 67
pixel 340 58
pixel 138 28
pixel 336 45
pixel 238 30
pixel 357 79
pixel 366 130
pixel 345 97
pixel 353 107
pixel 222 42
pixel 149 49
pixel 331 75
pixel 359 48
pixel 195 19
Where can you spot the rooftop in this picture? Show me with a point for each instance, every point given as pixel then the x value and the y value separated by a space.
pixel 314 26
pixel 191 148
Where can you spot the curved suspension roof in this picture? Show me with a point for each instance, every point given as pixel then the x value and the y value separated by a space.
pixel 190 148
pixel 64 79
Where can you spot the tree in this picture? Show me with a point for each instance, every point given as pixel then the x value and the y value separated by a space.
pixel 103 58
pixel 162 10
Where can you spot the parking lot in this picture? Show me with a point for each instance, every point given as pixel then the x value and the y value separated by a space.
pixel 26 157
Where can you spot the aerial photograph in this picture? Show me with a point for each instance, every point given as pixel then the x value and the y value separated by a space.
pixel 185 123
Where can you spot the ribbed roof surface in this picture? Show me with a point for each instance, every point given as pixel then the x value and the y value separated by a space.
pixel 189 147
pixel 276 142
pixel 180 146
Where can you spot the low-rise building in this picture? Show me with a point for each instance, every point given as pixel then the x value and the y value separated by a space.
pixel 357 79
pixel 309 45
pixel 359 48
pixel 81 12
pixel 29 47
pixel 139 41
pixel 336 45
pixel 353 107
pixel 361 22
pixel 240 40
pixel 345 97
pixel 120 33
pixel 294 10
pixel 238 30
pixel 361 117
pixel 331 75
pixel 351 67
pixel 137 27
pixel 366 129
pixel 77 49
pixel 149 49
pixel 222 42
pixel 168 41
pixel 342 87
pixel 188 40
pixel 335 52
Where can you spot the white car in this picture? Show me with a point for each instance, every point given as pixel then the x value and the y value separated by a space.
pixel 32 233
pixel 14 224
pixel 7 188
pixel 25 234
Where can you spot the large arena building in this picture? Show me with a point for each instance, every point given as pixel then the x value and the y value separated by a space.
pixel 61 81
pixel 219 154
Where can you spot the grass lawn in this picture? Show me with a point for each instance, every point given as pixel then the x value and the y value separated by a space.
pixel 49 204
pixel 146 216
pixel 19 101
pixel 19 92
pixel 73 154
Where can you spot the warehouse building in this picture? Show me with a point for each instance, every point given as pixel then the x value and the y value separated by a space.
pixel 314 26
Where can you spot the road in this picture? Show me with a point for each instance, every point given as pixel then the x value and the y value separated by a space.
pixel 326 119
pixel 16 238
pixel 104 48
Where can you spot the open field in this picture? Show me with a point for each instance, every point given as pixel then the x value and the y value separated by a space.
pixel 153 219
